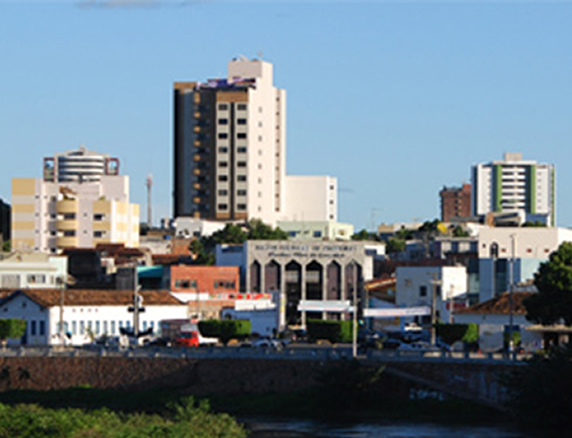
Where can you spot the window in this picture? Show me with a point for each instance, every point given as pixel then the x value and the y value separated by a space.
pixel 222 106
pixel 241 106
pixel 223 192
pixel 104 326
pixel 74 327
pixel 241 149
pixel 241 192
pixel 82 327
pixel 37 278
pixel 317 234
pixel 42 328
pixel 241 178
pixel 97 217
pixel 241 164
pixel 422 291
pixel 241 121
pixel 69 216
pixel 33 328
pixel 223 178
pixel 97 234
pixel 223 164
pixel 223 150
pixel 97 327
pixel 90 326
pixel 223 121
pixel 193 284
pixel 241 135
pixel 241 207
pixel 112 327
pixel 222 135
pixel 222 207
pixel 144 325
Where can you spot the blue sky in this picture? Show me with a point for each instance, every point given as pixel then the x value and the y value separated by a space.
pixel 396 99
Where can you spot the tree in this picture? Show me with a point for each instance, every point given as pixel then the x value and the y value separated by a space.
pixel 6 246
pixel 258 230
pixel 458 231
pixel 395 244
pixel 553 302
pixel 363 235
pixel 11 329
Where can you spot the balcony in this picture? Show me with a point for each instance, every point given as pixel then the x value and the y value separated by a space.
pixel 67 206
pixel 66 224
pixel 66 241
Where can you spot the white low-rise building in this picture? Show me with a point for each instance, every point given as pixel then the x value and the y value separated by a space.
pixel 416 285
pixel 493 318
pixel 86 314
pixel 32 270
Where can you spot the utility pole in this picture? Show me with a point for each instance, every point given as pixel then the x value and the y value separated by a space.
pixel 62 284
pixel 510 292
pixel 434 282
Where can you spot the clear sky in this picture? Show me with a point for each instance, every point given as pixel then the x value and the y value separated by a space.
pixel 394 98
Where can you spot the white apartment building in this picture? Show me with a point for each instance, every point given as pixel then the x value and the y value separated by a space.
pixel 230 151
pixel 515 185
pixel 49 215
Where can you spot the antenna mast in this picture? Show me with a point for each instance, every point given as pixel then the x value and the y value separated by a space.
pixel 149 184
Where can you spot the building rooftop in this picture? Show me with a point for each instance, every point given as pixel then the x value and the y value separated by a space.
pixel 86 297
pixel 499 305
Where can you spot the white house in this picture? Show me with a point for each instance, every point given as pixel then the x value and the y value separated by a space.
pixel 86 314
pixel 416 284
pixel 493 319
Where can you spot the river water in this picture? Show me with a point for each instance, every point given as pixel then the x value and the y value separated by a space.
pixel 283 428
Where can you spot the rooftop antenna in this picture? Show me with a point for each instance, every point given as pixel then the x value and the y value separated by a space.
pixel 149 184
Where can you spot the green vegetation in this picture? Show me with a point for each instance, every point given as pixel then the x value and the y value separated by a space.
pixel 541 392
pixel 458 231
pixel 395 244
pixel 553 280
pixel 11 329
pixel 7 246
pixel 203 248
pixel 451 333
pixel 186 419
pixel 364 235
pixel 225 330
pixel 333 331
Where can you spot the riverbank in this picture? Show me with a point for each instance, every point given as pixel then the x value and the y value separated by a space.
pixel 304 405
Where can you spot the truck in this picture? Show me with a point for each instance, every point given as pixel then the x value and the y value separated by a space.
pixel 184 333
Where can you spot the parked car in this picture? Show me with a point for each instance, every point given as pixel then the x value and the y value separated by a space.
pixel 264 343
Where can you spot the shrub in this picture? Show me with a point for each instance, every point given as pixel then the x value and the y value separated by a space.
pixel 451 333
pixel 333 331
pixel 225 330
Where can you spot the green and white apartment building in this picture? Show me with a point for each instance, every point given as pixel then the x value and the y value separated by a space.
pixel 513 185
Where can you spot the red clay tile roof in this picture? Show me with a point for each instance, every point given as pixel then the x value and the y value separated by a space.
pixel 88 297
pixel 499 305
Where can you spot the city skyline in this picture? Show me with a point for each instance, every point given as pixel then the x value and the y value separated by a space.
pixel 395 100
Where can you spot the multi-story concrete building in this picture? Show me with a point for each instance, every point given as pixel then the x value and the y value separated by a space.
pixel 324 272
pixel 52 214
pixel 455 202
pixel 230 152
pixel 514 253
pixel 80 165
pixel 5 212
pixel 515 185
